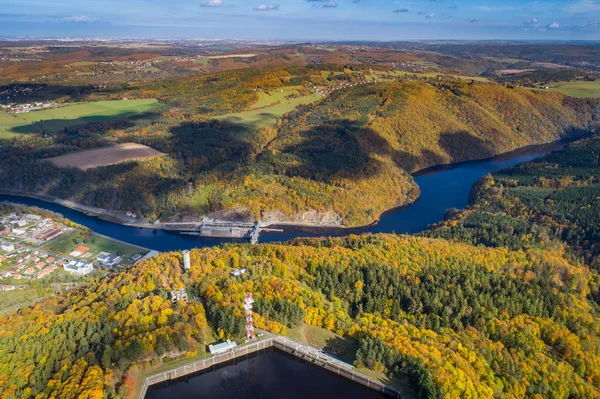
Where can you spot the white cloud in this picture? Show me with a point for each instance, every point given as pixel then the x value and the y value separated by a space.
pixel 553 25
pixel 267 7
pixel 79 18
pixel 212 3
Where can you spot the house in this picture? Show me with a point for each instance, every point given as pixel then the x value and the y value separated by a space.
pixel 19 223
pixel 7 287
pixel 79 268
pixel 222 347
pixel 46 271
pixel 7 247
pixel 29 270
pixel 18 232
pixel 33 217
pixel 108 259
pixel 136 257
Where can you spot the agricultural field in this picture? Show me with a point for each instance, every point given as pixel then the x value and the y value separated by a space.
pixel 264 117
pixel 72 115
pixel 65 244
pixel 579 88
pixel 111 155
pixel 273 97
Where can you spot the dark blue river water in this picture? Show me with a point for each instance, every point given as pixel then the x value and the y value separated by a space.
pixel 441 188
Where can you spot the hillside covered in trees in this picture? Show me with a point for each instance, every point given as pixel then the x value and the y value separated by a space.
pixel 548 202
pixel 511 312
pixel 347 156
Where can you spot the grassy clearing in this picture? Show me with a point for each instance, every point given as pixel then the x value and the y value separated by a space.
pixel 431 75
pixel 273 97
pixel 260 118
pixel 506 60
pixel 201 60
pixel 579 89
pixel 10 301
pixel 68 242
pixel 317 337
pixel 345 350
pixel 6 123
pixel 58 118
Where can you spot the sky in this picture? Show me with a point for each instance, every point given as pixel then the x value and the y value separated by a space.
pixel 386 20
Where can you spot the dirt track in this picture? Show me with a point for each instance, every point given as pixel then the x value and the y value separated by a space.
pixel 105 156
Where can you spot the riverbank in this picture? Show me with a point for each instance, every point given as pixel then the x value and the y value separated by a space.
pixel 441 187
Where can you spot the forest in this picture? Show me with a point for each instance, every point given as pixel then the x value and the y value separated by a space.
pixel 457 312
pixel 548 202
pixel 348 155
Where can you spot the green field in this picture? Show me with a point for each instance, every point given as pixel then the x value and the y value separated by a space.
pixel 273 97
pixel 68 242
pixel 429 75
pixel 260 118
pixel 579 88
pixel 58 118
pixel 10 301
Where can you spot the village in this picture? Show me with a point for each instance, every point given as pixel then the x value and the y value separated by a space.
pixel 33 247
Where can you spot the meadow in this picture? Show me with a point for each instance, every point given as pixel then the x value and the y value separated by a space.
pixel 267 116
pixel 578 89
pixel 55 119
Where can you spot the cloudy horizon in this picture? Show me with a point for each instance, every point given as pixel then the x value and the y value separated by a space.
pixel 305 19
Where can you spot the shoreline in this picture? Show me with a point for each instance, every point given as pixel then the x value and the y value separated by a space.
pixel 118 218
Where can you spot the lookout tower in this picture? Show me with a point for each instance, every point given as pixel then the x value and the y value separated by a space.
pixel 248 301
pixel 186 260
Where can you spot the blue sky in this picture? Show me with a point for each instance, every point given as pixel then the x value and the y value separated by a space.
pixel 304 19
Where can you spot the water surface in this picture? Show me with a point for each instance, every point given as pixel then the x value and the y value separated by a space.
pixel 442 187
pixel 272 375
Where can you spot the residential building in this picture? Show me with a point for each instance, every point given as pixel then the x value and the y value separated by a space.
pixel 79 268
pixel 7 247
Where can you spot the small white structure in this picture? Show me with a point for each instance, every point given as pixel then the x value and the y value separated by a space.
pixel 7 247
pixel 79 268
pixel 222 347
pixel 20 222
pixel 237 272
pixel 186 260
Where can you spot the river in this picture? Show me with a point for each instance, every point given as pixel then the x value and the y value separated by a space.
pixel 442 187
pixel 267 376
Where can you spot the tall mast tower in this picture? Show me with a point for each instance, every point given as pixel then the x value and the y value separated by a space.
pixel 248 301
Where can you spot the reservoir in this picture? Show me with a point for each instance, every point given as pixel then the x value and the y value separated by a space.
pixel 441 187
pixel 270 375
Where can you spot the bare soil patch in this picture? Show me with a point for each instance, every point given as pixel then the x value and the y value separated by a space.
pixel 111 155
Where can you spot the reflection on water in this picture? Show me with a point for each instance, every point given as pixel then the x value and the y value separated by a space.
pixel 272 375
pixel 441 188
